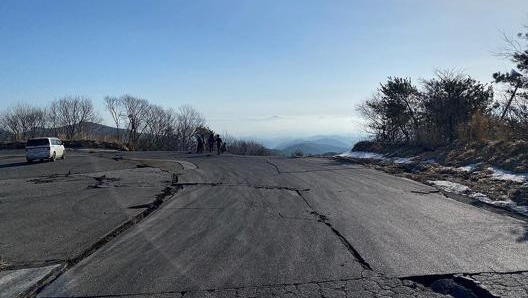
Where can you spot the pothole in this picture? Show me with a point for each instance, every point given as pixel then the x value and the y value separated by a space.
pixel 103 182
pixel 456 285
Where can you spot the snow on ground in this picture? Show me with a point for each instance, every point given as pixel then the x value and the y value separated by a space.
pixel 481 197
pixel 469 168
pixel 499 174
pixel 465 190
pixel 402 160
pixel 362 154
pixel 451 186
pixel 377 156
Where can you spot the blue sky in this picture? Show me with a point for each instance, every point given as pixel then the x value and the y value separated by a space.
pixel 252 67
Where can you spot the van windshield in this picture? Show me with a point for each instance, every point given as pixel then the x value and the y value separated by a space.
pixel 38 142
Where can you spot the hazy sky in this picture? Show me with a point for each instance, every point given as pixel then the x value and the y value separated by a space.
pixel 253 67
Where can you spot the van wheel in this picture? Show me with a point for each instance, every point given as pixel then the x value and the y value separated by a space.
pixel 29 160
pixel 63 155
pixel 54 157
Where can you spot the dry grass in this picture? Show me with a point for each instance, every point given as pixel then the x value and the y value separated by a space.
pixel 3 263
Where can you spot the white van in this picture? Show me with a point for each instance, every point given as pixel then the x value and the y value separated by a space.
pixel 44 148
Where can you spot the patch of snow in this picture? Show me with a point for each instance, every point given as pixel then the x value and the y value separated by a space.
pixel 377 156
pixel 499 174
pixel 402 159
pixel 462 189
pixel 363 154
pixel 451 186
pixel 481 197
pixel 469 168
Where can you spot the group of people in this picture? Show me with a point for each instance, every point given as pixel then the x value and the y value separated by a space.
pixel 221 146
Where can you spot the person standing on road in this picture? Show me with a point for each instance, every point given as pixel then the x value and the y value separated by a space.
pixel 218 144
pixel 202 144
pixel 199 143
pixel 210 142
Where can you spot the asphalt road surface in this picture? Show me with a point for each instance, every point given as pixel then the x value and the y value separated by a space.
pixel 161 224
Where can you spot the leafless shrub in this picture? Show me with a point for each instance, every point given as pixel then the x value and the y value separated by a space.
pixel 244 147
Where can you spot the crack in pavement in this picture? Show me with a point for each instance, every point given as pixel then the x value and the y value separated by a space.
pixel 274 165
pixel 307 171
pixel 320 170
pixel 270 187
pixel 321 218
pixel 369 286
pixel 153 206
pixel 425 192
pixel 461 282
pixel 31 264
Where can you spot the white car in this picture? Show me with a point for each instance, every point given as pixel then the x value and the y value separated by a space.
pixel 44 148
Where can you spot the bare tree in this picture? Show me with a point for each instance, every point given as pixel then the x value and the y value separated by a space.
pixel 72 113
pixel 188 121
pixel 11 124
pixel 160 122
pixel 113 106
pixel 24 121
pixel 136 111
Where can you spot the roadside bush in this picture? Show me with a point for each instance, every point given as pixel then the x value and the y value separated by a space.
pixel 297 153
pixel 477 129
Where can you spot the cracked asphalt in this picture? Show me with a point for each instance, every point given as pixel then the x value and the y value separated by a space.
pixel 234 226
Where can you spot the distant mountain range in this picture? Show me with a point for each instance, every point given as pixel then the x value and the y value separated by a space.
pixel 338 140
pixel 312 149
pixel 313 145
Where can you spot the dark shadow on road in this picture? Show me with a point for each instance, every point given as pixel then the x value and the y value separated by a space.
pixel 142 206
pixel 14 164
pixel 522 236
